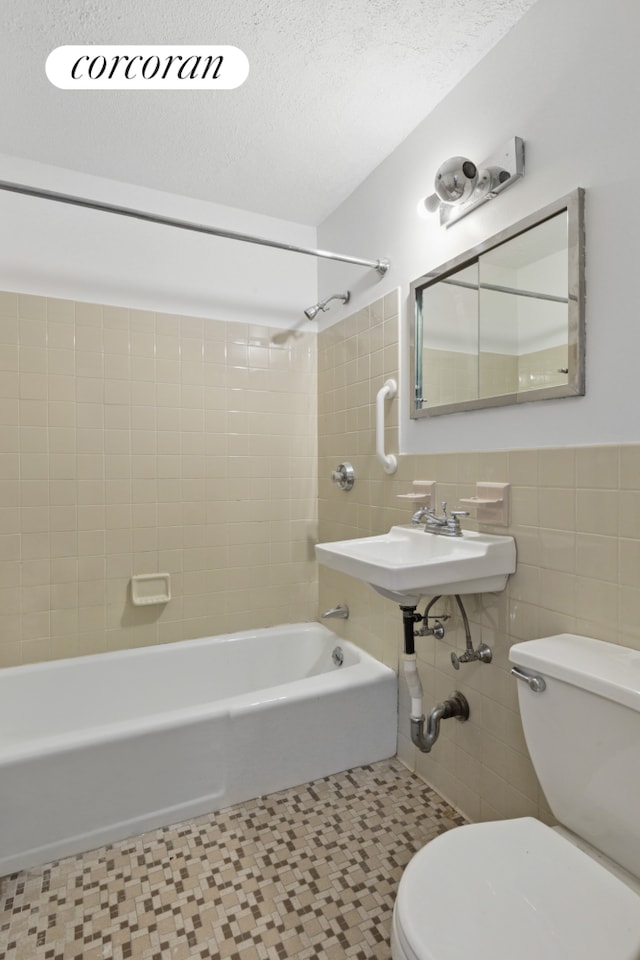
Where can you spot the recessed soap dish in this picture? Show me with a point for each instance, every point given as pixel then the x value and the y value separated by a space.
pixel 150 588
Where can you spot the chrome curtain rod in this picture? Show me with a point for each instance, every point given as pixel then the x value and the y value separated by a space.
pixel 380 265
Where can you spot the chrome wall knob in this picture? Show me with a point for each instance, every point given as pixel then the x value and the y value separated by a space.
pixel 344 476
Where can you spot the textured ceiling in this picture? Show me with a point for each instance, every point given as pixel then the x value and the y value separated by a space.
pixel 333 88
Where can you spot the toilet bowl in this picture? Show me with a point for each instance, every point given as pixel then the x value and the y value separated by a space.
pixel 517 888
pixel 512 890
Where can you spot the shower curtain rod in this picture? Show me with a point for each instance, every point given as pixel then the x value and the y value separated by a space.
pixel 380 265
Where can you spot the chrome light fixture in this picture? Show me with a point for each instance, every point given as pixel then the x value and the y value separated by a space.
pixel 460 185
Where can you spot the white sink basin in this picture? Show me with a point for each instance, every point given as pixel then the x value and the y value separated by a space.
pixel 408 562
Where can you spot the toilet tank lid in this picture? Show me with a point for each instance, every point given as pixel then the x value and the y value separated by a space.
pixel 606 669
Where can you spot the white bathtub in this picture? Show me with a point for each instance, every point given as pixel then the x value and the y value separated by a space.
pixel 95 749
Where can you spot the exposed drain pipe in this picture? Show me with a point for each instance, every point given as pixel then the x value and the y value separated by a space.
pixel 456 706
pixel 409 619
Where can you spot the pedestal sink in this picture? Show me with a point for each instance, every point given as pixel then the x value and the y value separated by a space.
pixel 408 562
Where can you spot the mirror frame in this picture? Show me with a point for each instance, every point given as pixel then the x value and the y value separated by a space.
pixel 573 204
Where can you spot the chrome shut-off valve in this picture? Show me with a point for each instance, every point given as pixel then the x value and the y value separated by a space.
pixel 483 654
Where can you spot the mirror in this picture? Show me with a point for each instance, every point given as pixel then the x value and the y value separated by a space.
pixel 504 322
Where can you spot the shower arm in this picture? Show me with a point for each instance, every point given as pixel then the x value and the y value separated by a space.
pixel 381 265
pixel 345 297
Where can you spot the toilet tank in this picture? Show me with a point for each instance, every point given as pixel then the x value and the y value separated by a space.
pixel 583 734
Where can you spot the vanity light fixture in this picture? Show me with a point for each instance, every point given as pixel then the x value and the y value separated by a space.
pixel 461 185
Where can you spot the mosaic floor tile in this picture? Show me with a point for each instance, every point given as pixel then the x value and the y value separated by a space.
pixel 309 872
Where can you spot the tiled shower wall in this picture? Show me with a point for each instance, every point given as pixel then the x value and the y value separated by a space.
pixel 575 516
pixel 134 442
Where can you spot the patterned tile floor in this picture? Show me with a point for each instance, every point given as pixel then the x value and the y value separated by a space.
pixel 309 872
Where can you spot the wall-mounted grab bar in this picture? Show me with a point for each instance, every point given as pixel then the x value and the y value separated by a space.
pixel 387 392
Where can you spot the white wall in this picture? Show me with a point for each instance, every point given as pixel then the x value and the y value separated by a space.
pixel 566 80
pixel 52 249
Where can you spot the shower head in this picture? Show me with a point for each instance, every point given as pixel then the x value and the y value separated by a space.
pixel 311 312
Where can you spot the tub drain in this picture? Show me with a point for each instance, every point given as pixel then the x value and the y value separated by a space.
pixel 337 656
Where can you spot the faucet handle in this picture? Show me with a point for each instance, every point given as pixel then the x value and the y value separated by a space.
pixel 453 522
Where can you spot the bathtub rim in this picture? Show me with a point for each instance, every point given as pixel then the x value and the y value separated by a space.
pixel 305 626
pixel 347 677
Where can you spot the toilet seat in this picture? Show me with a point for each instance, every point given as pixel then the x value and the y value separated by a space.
pixel 513 888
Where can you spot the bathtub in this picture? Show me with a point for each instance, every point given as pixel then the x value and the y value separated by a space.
pixel 98 748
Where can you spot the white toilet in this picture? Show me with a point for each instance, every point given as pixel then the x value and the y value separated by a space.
pixel 517 888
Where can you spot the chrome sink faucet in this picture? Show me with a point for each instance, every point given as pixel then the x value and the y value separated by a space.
pixel 446 525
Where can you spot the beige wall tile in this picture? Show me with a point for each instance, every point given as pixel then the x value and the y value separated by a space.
pixel 597 511
pixel 557 468
pixel 629 461
pixel 576 521
pixel 557 508
pixel 629 513
pixel 597 467
pixel 629 552
pixel 105 456
pixel 597 557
